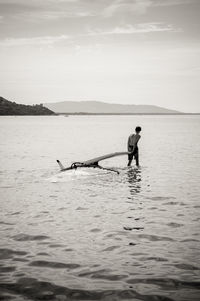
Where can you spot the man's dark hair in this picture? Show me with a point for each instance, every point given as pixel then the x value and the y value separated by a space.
pixel 138 129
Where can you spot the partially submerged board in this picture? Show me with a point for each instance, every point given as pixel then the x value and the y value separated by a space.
pixel 92 162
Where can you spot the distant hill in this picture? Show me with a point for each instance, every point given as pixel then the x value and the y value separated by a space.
pixel 95 107
pixel 11 108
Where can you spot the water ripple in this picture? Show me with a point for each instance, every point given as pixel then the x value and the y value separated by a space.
pixel 27 237
pixel 41 290
pixel 8 253
pixel 54 265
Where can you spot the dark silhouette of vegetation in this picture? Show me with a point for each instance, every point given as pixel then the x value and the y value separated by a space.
pixel 12 108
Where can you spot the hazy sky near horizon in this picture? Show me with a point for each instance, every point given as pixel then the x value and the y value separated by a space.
pixel 117 51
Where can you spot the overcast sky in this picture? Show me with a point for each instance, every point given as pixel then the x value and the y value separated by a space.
pixel 117 51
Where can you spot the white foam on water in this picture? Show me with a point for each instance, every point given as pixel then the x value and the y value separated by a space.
pixel 69 175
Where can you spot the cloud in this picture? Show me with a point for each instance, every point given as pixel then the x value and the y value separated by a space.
pixel 56 15
pixel 139 28
pixel 139 7
pixel 172 2
pixel 123 6
pixel 37 2
pixel 37 10
pixel 47 40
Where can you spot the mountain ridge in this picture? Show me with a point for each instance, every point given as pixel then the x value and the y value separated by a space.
pixel 97 107
pixel 12 108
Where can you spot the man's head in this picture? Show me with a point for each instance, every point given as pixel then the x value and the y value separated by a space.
pixel 138 129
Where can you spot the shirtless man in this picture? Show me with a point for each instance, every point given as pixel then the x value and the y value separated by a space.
pixel 132 146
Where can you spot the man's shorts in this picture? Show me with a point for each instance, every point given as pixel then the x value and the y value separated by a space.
pixel 133 154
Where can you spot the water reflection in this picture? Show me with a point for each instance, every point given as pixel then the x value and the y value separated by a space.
pixel 134 178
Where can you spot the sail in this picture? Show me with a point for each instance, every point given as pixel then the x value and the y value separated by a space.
pixel 92 162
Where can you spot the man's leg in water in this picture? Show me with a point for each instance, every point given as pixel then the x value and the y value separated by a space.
pixel 136 156
pixel 130 158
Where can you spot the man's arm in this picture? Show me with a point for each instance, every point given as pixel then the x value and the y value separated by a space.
pixel 135 141
pixel 128 144
pixel 138 138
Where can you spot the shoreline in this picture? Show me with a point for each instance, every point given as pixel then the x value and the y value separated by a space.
pixel 107 114
pixel 125 114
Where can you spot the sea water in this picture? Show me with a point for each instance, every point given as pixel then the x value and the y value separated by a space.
pixel 91 234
